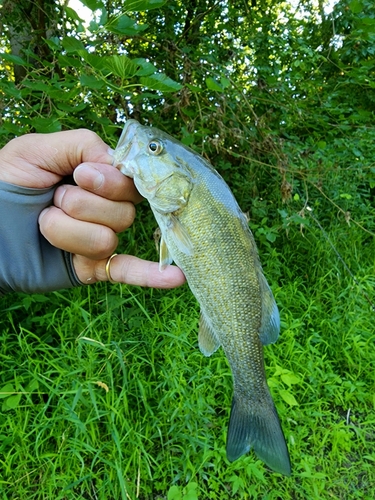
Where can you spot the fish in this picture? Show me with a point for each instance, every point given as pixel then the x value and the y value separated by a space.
pixel 205 233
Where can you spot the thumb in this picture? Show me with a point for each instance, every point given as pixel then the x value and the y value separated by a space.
pixel 56 155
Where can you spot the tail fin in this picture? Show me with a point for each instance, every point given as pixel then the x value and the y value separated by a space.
pixel 261 431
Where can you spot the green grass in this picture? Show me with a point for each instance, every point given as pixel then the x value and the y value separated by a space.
pixel 105 395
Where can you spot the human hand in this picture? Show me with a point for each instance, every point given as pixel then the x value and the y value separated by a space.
pixel 85 218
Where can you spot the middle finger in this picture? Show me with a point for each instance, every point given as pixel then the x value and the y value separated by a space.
pixel 89 207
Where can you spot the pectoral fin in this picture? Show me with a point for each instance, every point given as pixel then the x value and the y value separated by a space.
pixel 270 324
pixel 180 236
pixel 207 338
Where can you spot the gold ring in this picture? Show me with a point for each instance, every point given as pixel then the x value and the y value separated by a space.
pixel 107 269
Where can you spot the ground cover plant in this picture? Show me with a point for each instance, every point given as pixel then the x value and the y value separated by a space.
pixel 103 391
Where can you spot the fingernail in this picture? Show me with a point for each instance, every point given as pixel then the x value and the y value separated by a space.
pixel 89 175
pixel 58 196
pixel 42 214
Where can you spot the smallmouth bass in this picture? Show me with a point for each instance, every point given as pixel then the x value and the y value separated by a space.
pixel 204 231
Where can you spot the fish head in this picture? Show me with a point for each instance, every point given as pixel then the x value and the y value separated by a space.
pixel 149 157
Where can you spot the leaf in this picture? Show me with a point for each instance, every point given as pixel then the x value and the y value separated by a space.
pixel 213 85
pixel 90 81
pixel 174 493
pixel 32 386
pixel 145 67
pixel 6 391
pixel 141 5
pixel 72 44
pixel 194 88
pixel 13 401
pixel 288 397
pixel 121 66
pixel 97 62
pixel 46 125
pixel 93 4
pixel 72 14
pixel 224 82
pixel 124 25
pixel 161 82
pixel 289 379
pixel 356 6
pixel 13 59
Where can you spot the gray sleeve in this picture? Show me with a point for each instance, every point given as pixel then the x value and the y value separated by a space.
pixel 28 262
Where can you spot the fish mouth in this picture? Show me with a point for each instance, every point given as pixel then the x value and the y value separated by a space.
pixel 126 148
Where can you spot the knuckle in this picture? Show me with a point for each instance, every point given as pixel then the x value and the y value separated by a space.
pixel 125 217
pixel 104 242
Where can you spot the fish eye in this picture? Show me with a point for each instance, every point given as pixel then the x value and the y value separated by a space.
pixel 155 147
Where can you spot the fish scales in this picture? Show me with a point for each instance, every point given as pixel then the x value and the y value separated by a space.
pixel 205 233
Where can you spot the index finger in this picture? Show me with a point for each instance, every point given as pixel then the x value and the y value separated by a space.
pixel 106 181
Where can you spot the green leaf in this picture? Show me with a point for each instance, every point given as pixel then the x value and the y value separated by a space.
pixel 32 386
pixel 97 62
pixel 174 493
pixel 90 81
pixel 225 82
pixel 194 88
pixel 121 66
pixel 289 379
pixel 146 68
pixel 191 492
pixel 72 14
pixel 6 391
pixel 356 6
pixel 53 43
pixel 141 5
pixel 46 125
pixel 93 4
pixel 288 397
pixel 213 85
pixel 124 25
pixel 161 82
pixel 13 401
pixel 13 59
pixel 72 44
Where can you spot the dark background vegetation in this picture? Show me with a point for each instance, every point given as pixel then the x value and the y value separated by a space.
pixel 104 393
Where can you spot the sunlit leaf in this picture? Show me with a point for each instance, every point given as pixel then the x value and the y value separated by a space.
pixel 6 391
pixel 72 44
pixel 141 5
pixel 145 67
pixel 121 66
pixel 93 4
pixel 288 397
pixel 124 25
pixel 213 85
pixel 13 401
pixel 160 82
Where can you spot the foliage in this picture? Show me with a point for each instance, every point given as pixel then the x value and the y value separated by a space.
pixel 103 391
